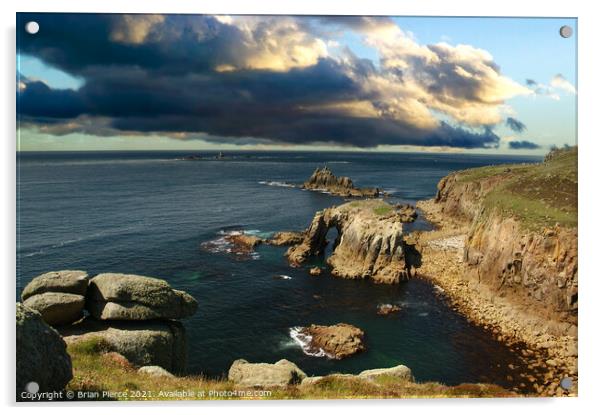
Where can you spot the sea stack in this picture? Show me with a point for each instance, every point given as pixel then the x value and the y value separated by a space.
pixel 325 181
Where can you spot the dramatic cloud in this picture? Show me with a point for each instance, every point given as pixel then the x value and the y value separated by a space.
pixel 269 79
pixel 515 125
pixel 523 145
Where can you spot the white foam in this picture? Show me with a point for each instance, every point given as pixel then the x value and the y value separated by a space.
pixel 304 340
pixel 222 245
pixel 277 183
pixel 283 277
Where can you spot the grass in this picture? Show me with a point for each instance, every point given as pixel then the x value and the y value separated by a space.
pixel 378 207
pixel 538 195
pixel 104 376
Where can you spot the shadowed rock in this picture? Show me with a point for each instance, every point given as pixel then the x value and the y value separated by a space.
pixel 41 353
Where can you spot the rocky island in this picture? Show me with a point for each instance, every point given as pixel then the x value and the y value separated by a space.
pixel 336 342
pixel 324 180
pixel 370 243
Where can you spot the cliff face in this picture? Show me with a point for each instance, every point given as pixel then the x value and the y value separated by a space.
pixel 369 244
pixel 522 238
pixel 324 180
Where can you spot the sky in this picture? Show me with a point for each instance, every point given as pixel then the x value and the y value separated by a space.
pixel 334 83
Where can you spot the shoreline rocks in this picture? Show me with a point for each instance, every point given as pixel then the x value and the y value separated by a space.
pixel 315 271
pixel 243 243
pixel 386 309
pixel 324 180
pixel 280 374
pixel 535 337
pixel 134 297
pixel 286 238
pixel 337 341
pixel 41 353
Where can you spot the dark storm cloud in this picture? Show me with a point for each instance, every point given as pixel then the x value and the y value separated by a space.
pixel 158 75
pixel 523 145
pixel 515 125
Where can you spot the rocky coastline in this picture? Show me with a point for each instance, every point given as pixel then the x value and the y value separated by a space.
pixel 518 282
pixel 514 275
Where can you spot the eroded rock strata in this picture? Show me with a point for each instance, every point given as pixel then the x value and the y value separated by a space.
pixel 324 180
pixel 506 255
pixel 370 242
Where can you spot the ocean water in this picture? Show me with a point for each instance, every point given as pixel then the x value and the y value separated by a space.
pixel 151 213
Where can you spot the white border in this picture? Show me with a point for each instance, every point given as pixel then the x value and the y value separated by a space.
pixel 589 189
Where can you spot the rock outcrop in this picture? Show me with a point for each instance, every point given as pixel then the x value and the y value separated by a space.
pixel 41 354
pixel 315 271
pixel 155 372
pixel 325 181
pixel 58 296
pixel 386 309
pixel 143 343
pixel 370 242
pixel 71 282
pixel 279 374
pixel 242 243
pixel 134 297
pixel 286 238
pixel 337 341
pixel 57 308
pixel 400 372
pixel 132 315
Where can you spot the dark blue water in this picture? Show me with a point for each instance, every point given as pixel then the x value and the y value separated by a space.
pixel 149 213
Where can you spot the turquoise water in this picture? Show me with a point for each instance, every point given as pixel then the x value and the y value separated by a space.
pixel 152 214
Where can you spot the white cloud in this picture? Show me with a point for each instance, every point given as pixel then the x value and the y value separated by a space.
pixel 560 82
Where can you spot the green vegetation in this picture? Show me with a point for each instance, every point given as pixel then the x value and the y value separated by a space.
pixel 539 195
pixel 97 371
pixel 385 209
pixel 377 206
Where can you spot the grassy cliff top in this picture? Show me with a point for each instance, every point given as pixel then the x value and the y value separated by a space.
pixel 96 371
pixel 539 195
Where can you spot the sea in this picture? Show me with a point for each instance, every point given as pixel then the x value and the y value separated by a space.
pixel 160 214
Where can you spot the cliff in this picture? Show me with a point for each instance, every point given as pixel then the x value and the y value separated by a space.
pixel 369 242
pixel 324 180
pixel 505 255
pixel 523 229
